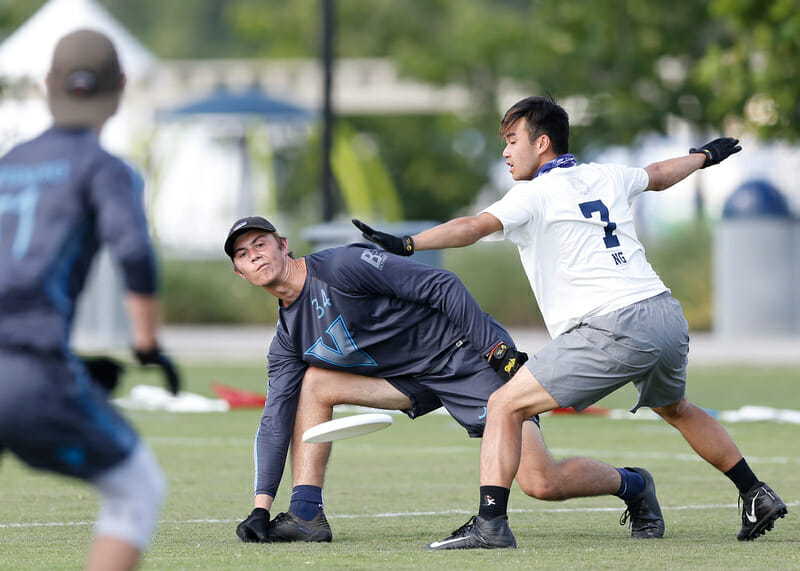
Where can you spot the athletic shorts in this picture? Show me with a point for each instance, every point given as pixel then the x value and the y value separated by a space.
pixel 645 343
pixel 461 384
pixel 54 417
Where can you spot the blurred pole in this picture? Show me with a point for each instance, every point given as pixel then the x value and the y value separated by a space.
pixel 327 116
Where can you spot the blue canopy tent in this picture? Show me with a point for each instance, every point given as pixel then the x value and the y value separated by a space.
pixel 240 107
pixel 250 103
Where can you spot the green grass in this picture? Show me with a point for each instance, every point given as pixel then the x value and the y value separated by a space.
pixel 428 467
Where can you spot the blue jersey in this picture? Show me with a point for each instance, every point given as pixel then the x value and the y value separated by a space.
pixel 370 313
pixel 61 196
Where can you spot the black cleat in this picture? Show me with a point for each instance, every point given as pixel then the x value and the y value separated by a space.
pixel 643 510
pixel 288 527
pixel 761 508
pixel 479 533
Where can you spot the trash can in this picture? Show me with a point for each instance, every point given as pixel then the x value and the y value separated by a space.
pixel 753 263
pixel 332 234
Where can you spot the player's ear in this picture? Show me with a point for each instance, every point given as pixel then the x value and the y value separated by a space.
pixel 543 143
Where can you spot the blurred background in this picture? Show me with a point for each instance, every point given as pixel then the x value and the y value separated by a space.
pixel 313 112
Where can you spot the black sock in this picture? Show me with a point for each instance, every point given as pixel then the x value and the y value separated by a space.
pixel 742 476
pixel 631 485
pixel 494 502
pixel 306 502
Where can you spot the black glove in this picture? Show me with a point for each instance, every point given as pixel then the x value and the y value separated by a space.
pixel 254 528
pixel 104 371
pixel 718 150
pixel 400 245
pixel 506 360
pixel 156 357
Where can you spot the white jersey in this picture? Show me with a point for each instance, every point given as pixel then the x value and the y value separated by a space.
pixel 577 242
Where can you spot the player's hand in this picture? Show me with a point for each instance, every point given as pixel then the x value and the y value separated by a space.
pixel 506 360
pixel 104 371
pixel 254 528
pixel 157 357
pixel 400 245
pixel 717 150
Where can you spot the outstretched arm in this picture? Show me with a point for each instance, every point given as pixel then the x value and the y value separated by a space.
pixel 453 234
pixel 457 232
pixel 664 174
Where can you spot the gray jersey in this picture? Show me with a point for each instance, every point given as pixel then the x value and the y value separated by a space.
pixel 367 312
pixel 61 196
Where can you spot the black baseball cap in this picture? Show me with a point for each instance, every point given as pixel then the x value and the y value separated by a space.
pixel 245 225
pixel 85 79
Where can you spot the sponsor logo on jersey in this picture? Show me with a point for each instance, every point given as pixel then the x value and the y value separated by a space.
pixel 375 258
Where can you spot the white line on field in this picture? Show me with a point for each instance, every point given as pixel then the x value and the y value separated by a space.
pixel 560 452
pixel 393 515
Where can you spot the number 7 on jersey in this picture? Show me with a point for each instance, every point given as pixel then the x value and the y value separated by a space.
pixel 588 208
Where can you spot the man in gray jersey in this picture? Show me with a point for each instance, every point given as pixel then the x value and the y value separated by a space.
pixel 612 319
pixel 361 326
pixel 61 196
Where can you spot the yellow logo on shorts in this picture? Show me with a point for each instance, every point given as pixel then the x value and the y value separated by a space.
pixel 510 366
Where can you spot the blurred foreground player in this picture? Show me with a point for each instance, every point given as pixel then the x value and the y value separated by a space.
pixel 612 319
pixel 360 326
pixel 61 197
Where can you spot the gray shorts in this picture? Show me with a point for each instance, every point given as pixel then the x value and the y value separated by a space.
pixel 54 417
pixel 462 384
pixel 645 343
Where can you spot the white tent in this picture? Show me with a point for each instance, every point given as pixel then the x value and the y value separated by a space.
pixel 26 53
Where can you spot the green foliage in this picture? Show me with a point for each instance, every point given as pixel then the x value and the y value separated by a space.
pixel 494 276
pixel 751 70
pixel 367 190
pixel 413 150
pixel 683 260
pixel 621 67
pixel 626 65
pixel 202 291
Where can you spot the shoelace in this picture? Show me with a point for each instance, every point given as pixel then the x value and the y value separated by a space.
pixel 623 519
pixel 461 531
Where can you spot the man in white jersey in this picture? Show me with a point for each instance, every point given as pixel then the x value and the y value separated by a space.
pixel 612 319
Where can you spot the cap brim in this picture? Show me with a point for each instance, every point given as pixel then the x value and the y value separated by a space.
pixel 231 240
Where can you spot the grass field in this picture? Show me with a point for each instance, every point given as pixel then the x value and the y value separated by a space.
pixel 390 493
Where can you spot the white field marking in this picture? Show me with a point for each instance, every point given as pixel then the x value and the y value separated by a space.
pixel 394 515
pixel 194 441
pixel 558 452
pixel 687 457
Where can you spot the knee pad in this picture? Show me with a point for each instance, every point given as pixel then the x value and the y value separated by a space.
pixel 131 495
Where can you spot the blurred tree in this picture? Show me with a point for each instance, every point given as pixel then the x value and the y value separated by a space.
pixel 621 67
pixel 189 29
pixel 752 69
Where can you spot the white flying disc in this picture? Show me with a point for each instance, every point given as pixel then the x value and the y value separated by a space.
pixel 347 427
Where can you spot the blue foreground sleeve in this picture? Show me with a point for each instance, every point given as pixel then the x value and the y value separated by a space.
pixel 117 193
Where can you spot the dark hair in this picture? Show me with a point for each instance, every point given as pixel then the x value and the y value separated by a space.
pixel 544 117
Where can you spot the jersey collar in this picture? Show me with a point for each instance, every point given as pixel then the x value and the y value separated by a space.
pixel 563 161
